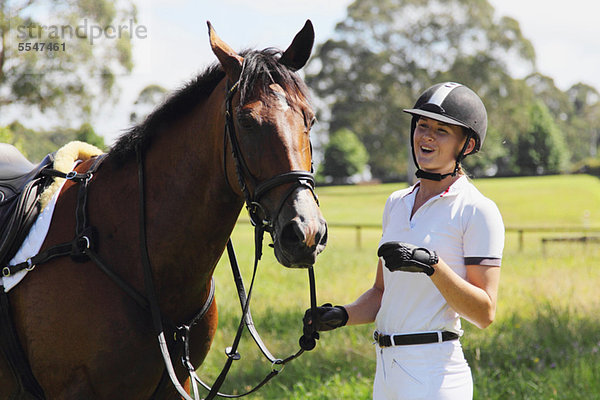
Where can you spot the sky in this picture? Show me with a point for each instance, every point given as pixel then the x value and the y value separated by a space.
pixel 565 35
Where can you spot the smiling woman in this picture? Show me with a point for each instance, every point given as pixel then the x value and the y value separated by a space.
pixel 441 247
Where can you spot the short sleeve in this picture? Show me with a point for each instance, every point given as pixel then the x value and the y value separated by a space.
pixel 483 241
pixel 386 214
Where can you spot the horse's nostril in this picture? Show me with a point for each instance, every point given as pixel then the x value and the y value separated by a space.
pixel 323 240
pixel 292 234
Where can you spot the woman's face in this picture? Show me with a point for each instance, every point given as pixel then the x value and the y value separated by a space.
pixel 437 145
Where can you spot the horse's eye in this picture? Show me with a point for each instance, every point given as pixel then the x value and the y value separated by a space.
pixel 246 121
pixel 309 124
pixel 309 120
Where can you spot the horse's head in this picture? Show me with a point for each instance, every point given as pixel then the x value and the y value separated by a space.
pixel 268 149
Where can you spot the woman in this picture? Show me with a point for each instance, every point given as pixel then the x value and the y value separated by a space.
pixel 440 255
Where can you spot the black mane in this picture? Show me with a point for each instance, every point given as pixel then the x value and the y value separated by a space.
pixel 261 68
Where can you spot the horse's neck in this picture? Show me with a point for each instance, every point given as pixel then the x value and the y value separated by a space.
pixel 191 210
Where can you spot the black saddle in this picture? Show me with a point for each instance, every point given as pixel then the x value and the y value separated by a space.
pixel 21 184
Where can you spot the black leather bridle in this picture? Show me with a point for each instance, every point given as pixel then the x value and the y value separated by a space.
pixel 298 178
pixel 262 222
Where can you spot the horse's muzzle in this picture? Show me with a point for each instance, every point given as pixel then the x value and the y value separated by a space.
pixel 300 231
pixel 300 242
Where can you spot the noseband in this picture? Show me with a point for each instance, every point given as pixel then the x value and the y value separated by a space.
pixel 258 213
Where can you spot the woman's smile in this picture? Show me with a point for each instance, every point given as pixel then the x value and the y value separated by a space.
pixel 438 144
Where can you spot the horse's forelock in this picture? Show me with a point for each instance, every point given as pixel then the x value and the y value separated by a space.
pixel 262 68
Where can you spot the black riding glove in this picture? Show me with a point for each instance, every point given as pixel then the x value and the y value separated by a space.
pixel 328 317
pixel 400 256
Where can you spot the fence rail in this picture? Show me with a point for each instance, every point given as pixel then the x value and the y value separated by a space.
pixel 520 231
pixel 579 239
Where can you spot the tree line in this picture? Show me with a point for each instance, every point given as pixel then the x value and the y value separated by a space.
pixel 382 55
pixel 60 61
pixel 386 52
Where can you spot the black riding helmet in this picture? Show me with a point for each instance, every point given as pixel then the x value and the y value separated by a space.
pixel 455 104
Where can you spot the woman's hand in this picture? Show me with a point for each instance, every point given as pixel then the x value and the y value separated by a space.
pixel 399 256
pixel 327 317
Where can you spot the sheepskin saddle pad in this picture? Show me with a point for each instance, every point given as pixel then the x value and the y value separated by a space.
pixel 25 191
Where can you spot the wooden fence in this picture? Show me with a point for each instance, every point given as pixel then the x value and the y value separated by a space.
pixel 591 234
pixel 588 234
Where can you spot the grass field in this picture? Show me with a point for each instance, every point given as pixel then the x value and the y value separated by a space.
pixel 544 344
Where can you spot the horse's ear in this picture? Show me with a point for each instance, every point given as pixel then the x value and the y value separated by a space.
pixel 229 59
pixel 296 56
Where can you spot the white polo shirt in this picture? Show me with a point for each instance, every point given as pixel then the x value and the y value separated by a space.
pixel 462 226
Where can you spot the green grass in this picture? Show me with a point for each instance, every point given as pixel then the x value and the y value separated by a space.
pixel 544 344
pixel 569 200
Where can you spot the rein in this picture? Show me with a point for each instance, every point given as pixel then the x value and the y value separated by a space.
pixel 262 223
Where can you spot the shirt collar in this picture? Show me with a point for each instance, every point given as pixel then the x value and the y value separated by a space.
pixel 452 190
pixel 456 187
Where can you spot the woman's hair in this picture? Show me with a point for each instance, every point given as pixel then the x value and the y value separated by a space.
pixel 467 136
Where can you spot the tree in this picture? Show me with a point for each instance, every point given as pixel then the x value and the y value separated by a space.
pixel 7 136
pixel 541 148
pixel 386 52
pixel 576 113
pixel 86 134
pixel 344 156
pixel 148 98
pixel 583 126
pixel 35 145
pixel 62 54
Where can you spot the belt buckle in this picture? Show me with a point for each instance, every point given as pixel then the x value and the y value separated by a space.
pixel 383 340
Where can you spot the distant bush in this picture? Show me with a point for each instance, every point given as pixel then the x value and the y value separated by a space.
pixel 588 166
pixel 344 156
pixel 36 144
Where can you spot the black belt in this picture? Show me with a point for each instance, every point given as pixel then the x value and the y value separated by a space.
pixel 413 338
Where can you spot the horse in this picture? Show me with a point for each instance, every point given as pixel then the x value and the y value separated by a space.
pixel 85 337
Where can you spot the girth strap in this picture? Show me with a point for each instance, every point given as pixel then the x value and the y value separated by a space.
pixel 14 353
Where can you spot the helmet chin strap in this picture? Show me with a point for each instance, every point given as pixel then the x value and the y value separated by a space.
pixel 434 176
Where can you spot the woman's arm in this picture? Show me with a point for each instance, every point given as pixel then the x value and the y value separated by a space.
pixel 474 298
pixel 365 308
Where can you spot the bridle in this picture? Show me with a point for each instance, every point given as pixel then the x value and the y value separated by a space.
pixel 255 209
pixel 262 222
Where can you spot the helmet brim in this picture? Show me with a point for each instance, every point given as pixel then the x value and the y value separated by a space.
pixel 435 116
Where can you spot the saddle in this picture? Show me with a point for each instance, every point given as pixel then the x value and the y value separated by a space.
pixel 21 184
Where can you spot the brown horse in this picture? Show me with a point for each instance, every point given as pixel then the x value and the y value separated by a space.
pixel 85 338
